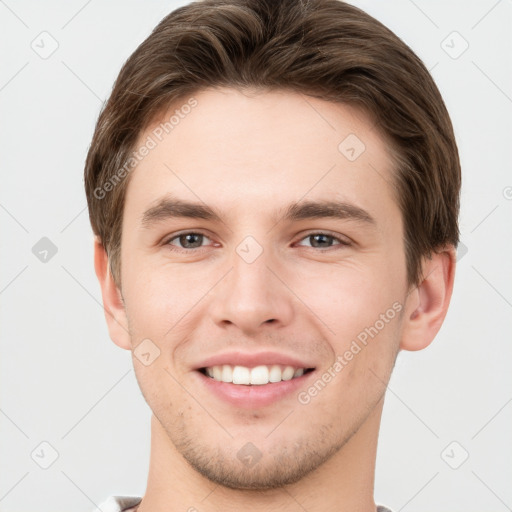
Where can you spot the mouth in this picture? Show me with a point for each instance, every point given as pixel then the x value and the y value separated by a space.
pixel 254 387
pixel 255 376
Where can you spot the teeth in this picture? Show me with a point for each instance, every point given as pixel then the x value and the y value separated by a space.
pixel 227 373
pixel 288 373
pixel 217 373
pixel 241 375
pixel 275 373
pixel 259 375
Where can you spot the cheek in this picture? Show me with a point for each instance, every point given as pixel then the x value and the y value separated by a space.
pixel 359 312
pixel 159 386
pixel 161 299
pixel 346 299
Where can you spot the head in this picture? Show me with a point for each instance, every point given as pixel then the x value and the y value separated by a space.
pixel 250 109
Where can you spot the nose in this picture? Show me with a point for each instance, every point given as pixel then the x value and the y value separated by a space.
pixel 252 296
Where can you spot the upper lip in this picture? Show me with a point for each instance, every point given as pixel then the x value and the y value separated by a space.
pixel 251 360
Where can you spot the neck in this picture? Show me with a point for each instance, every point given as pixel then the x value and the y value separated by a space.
pixel 345 483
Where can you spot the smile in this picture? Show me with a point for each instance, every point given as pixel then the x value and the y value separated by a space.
pixel 257 376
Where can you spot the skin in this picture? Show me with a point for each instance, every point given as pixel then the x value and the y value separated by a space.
pixel 249 156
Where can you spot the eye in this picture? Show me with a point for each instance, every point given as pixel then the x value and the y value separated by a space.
pixel 189 240
pixel 323 240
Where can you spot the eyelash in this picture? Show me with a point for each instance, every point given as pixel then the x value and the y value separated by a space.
pixel 342 242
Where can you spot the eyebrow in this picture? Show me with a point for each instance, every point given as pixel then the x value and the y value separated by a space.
pixel 168 208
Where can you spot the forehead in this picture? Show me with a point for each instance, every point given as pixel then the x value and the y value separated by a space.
pixel 236 150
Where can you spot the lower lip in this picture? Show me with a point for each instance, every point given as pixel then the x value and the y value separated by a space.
pixel 253 396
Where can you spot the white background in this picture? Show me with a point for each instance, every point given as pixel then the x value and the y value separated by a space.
pixel 65 383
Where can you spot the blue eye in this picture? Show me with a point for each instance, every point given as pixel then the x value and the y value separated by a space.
pixel 322 240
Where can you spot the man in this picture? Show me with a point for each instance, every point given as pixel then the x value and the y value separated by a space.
pixel 274 190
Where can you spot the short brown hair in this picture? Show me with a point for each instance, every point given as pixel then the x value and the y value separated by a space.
pixel 323 48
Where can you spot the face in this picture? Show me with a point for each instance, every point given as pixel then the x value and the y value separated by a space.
pixel 293 255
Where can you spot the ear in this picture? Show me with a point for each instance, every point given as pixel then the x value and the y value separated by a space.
pixel 427 304
pixel 113 305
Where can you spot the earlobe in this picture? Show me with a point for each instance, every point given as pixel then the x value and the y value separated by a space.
pixel 113 306
pixel 427 304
